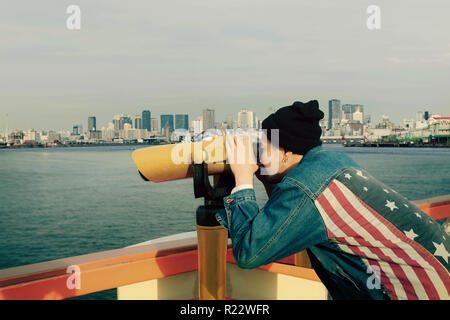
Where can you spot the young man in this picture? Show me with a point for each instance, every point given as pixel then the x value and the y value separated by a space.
pixel 364 240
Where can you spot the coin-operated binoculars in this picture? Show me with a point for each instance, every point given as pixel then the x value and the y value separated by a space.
pixel 197 160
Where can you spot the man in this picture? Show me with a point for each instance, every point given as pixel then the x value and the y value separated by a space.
pixel 364 240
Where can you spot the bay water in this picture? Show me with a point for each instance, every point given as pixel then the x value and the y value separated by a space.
pixel 62 202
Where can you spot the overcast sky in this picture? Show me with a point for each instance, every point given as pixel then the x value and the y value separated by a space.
pixel 179 56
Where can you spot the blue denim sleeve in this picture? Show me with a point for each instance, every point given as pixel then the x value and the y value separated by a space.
pixel 288 223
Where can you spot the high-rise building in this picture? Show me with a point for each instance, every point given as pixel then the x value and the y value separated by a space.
pixel 146 120
pixel 334 113
pixel 229 121
pixel 77 130
pixel 208 119
pixel 92 124
pixel 198 126
pixel 125 119
pixel 138 122
pixel 108 133
pixel 246 119
pixel 116 122
pixel 154 124
pixel 357 116
pixel 167 121
pixel 347 112
pixel 120 120
pixel 420 116
pixel 182 121
pixel 357 107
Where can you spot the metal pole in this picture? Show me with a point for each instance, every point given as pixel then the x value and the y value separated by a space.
pixel 212 238
pixel 302 259
pixel 212 251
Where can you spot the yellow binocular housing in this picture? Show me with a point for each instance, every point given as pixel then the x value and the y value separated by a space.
pixel 175 161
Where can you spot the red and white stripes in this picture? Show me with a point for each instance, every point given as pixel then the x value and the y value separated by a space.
pixel 407 269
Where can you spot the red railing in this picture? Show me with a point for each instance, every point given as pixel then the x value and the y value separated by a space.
pixel 115 268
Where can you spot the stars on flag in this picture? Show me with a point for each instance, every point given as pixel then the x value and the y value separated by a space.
pixel 385 190
pixel 406 205
pixel 441 251
pixel 391 205
pixel 365 189
pixel 359 173
pixel 411 234
pixel 348 176
pixel 418 215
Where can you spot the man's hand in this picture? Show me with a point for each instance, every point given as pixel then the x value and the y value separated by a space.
pixel 241 158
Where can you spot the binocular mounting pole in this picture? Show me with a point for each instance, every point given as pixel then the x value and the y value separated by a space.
pixel 212 237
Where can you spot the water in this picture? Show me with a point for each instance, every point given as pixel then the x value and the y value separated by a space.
pixel 56 203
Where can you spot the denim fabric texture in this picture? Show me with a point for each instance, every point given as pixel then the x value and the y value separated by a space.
pixel 290 222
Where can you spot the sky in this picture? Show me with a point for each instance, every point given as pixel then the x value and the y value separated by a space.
pixel 178 56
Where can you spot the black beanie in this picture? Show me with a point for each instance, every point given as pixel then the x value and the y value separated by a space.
pixel 298 125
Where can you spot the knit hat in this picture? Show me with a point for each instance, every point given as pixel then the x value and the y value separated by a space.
pixel 298 125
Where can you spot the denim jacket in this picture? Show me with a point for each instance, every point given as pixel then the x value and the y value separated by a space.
pixel 364 240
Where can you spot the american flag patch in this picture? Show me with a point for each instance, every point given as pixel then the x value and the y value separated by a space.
pixel 367 219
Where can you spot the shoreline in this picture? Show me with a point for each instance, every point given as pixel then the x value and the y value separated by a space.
pixel 395 145
pixel 78 145
pixel 81 145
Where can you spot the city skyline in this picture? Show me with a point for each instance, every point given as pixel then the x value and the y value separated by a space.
pixel 92 120
pixel 104 120
pixel 210 55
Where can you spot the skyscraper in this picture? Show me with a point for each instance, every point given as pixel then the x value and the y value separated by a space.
pixel 347 111
pixel 229 121
pixel 125 119
pixel 138 122
pixel 92 124
pixel 116 122
pixel 420 116
pixel 167 120
pixel 146 120
pixel 334 113
pixel 154 124
pixel 77 130
pixel 208 119
pixel 182 121
pixel 246 119
pixel 198 126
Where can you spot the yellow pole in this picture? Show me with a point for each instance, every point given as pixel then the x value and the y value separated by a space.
pixel 212 252
pixel 302 259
